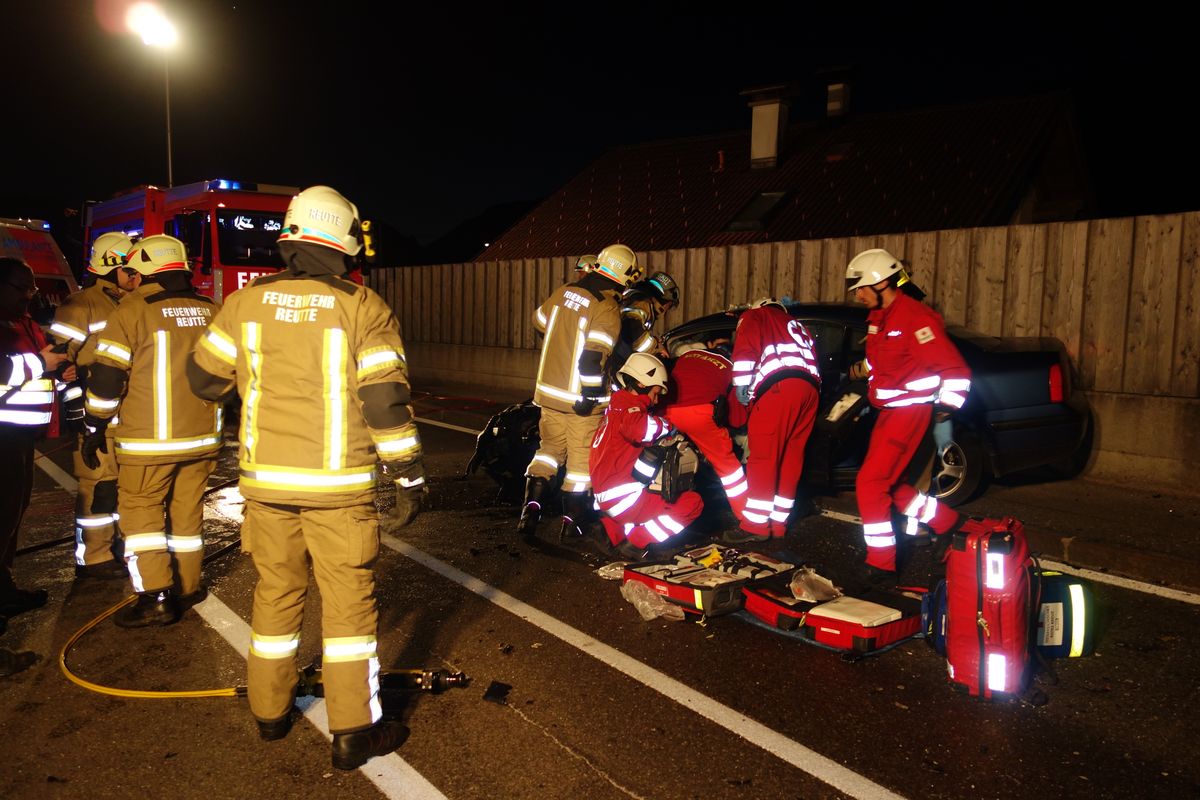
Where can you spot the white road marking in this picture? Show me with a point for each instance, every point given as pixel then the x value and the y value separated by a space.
pixel 391 774
pixel 446 425
pixel 56 472
pixel 775 743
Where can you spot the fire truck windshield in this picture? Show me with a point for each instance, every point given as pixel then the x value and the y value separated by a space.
pixel 247 238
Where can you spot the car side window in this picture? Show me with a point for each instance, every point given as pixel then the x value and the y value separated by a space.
pixel 828 337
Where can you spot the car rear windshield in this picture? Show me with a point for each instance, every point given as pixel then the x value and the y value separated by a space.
pixel 247 238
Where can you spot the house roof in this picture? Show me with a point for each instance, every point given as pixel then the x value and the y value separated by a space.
pixel 930 169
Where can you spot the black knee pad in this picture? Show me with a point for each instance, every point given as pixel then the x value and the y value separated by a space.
pixel 104 498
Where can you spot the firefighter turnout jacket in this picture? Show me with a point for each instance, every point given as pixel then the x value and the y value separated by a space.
pixel 911 359
pixel 581 322
pixel 83 315
pixel 769 346
pixel 139 369
pixel 330 352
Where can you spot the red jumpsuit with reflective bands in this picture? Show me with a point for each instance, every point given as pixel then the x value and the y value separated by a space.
pixel 775 357
pixel 914 366
pixel 632 512
pixel 698 379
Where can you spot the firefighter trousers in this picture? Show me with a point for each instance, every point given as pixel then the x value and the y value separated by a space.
pixel 652 520
pixel 781 420
pixel 96 506
pixel 343 544
pixel 566 439
pixel 900 448
pixel 697 424
pixel 162 517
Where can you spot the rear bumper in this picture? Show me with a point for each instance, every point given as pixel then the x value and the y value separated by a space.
pixel 1053 433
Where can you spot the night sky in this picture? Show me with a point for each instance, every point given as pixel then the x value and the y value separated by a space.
pixel 426 115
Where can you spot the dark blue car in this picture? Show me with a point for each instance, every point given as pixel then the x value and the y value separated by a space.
pixel 1022 411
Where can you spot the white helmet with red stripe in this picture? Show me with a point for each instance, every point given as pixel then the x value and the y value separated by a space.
pixel 109 251
pixel 320 215
pixel 871 267
pixel 158 253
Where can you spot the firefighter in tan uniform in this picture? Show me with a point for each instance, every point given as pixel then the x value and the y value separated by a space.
pixel 320 367
pixel 78 324
pixel 581 322
pixel 168 439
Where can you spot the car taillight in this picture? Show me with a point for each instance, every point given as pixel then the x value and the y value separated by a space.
pixel 1056 384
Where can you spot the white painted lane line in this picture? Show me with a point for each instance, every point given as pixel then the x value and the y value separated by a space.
pixel 775 743
pixel 446 425
pixel 393 776
pixel 1124 583
pixel 56 473
pixel 1090 574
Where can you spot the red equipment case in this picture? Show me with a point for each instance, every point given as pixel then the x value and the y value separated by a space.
pixel 706 580
pixel 988 606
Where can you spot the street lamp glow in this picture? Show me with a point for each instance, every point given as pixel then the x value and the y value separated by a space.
pixel 148 21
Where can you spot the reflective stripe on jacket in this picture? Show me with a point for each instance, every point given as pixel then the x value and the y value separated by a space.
pixel 26 392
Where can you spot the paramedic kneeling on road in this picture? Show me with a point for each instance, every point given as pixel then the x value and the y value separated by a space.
pixel 913 367
pixel 623 463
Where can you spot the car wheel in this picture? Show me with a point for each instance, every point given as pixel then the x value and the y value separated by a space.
pixel 958 469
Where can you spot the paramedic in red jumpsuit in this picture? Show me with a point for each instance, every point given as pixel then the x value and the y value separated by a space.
pixel 775 373
pixel 701 379
pixel 622 467
pixel 914 367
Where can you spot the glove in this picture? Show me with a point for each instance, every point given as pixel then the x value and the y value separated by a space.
pixel 743 394
pixel 411 488
pixel 859 370
pixel 584 407
pixel 93 441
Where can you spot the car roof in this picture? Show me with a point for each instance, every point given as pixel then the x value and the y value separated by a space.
pixel 845 313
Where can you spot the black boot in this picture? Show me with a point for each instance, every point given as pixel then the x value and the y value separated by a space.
pixel 151 608
pixel 531 511
pixel 578 515
pixel 352 750
pixel 275 729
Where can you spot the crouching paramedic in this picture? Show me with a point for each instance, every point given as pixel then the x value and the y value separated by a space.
pixel 775 373
pixel 320 368
pixel 581 322
pixel 697 397
pixel 624 462
pixel 78 324
pixel 168 439
pixel 914 367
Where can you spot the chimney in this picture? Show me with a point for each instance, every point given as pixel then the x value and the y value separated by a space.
pixel 769 116
pixel 837 91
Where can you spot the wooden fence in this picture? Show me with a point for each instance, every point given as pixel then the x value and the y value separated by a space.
pixel 1122 294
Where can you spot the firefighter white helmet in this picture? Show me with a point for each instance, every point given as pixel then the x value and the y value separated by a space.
pixel 320 215
pixel 109 252
pixel 158 253
pixel 645 369
pixel 766 301
pixel 618 263
pixel 586 263
pixel 871 267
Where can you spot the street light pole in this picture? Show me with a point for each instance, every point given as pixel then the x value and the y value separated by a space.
pixel 148 21
pixel 167 86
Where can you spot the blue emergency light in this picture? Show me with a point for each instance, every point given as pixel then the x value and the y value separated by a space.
pixel 224 184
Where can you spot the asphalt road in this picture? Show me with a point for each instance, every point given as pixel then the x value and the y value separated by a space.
pixel 573 694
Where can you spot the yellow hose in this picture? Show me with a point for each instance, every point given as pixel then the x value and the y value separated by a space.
pixel 232 691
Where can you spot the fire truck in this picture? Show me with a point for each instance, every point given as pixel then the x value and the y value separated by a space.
pixel 30 240
pixel 228 227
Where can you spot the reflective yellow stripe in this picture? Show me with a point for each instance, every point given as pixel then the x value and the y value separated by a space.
pixel 162 385
pixel 195 445
pixel 220 346
pixel 334 368
pixel 1078 620
pixel 251 333
pixel 274 647
pixel 377 359
pixel 266 476
pixel 348 648
pixel 114 352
